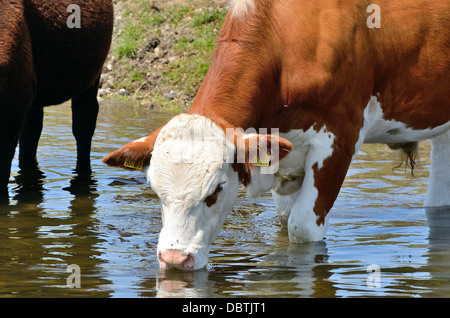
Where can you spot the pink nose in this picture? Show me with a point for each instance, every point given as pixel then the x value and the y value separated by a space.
pixel 174 259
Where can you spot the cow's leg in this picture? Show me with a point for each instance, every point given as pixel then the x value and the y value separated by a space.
pixel 84 117
pixel 283 204
pixel 17 85
pixel 13 107
pixel 325 169
pixel 438 193
pixel 29 139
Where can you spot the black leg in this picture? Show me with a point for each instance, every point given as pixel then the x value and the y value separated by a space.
pixel 13 107
pixel 84 117
pixel 29 138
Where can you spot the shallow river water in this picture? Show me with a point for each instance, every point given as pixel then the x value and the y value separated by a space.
pixel 380 241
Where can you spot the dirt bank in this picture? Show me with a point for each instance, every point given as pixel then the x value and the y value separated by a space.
pixel 161 50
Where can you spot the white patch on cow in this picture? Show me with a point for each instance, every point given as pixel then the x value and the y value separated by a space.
pixel 188 163
pixel 294 192
pixel 284 204
pixel 240 8
pixel 260 182
pixel 141 139
pixel 292 168
pixel 377 129
pixel 439 184
pixel 247 136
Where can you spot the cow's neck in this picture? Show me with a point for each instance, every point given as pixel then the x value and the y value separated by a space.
pixel 256 79
pixel 242 86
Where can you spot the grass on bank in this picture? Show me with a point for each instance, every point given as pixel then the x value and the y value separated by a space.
pixel 194 31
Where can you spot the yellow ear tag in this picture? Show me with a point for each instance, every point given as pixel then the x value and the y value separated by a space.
pixel 130 164
pixel 266 162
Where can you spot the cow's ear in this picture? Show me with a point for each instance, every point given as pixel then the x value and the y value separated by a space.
pixel 135 155
pixel 257 158
pixel 263 150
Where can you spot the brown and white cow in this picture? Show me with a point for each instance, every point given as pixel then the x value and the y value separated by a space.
pixel 317 72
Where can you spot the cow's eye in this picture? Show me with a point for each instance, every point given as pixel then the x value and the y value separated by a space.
pixel 219 188
pixel 211 199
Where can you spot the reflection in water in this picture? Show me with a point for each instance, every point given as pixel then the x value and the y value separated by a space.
pixel 439 222
pixel 107 221
pixel 38 244
pixel 439 250
pixel 178 284
pixel 307 270
pixel 30 183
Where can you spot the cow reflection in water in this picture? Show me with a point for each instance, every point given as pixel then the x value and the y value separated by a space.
pixel 308 272
pixel 299 265
pixel 31 184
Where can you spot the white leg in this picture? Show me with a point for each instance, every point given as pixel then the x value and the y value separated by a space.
pixel 302 223
pixel 325 167
pixel 326 159
pixel 284 205
pixel 438 193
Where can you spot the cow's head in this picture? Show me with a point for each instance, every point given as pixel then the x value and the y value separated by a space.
pixel 195 168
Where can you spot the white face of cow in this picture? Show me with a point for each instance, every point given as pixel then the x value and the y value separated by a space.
pixel 195 169
pixel 196 186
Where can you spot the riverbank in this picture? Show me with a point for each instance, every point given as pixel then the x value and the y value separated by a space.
pixel 161 50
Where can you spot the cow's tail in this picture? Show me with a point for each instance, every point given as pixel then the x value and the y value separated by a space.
pixel 408 153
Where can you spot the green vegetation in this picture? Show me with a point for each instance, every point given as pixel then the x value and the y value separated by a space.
pixel 163 49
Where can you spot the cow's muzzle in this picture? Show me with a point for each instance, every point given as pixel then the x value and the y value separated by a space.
pixel 175 259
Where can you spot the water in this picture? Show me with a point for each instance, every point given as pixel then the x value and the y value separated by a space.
pixel 380 241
